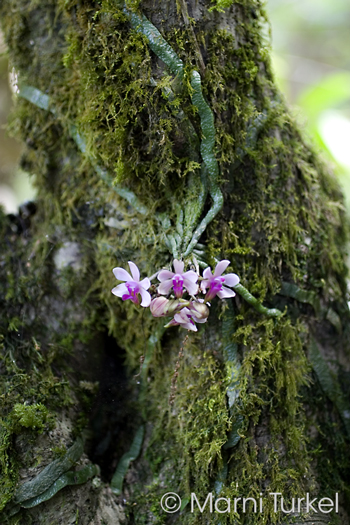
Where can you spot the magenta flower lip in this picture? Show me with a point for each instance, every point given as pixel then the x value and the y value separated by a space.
pixel 177 280
pixel 133 287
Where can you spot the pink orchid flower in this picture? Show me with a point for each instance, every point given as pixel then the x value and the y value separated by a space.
pixel 184 319
pixel 133 287
pixel 187 317
pixel 216 282
pixel 178 280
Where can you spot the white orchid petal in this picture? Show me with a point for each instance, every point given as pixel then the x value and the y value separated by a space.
pixel 225 293
pixel 196 320
pixel 231 279
pixel 135 272
pixel 185 322
pixel 190 326
pixel 207 273
pixel 178 266
pixel 191 276
pixel 171 323
pixel 165 287
pixel 145 283
pixel 221 267
pixel 191 287
pixel 178 319
pixel 122 275
pixel 204 285
pixel 120 290
pixel 181 318
pixel 146 297
pixel 164 275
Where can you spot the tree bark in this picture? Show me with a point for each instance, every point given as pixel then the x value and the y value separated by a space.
pixel 250 404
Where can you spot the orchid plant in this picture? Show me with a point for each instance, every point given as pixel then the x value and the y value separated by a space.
pixel 184 296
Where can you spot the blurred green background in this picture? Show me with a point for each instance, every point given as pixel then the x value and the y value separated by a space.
pixel 15 185
pixel 311 58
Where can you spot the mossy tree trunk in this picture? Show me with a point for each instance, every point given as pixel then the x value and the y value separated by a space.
pixel 260 404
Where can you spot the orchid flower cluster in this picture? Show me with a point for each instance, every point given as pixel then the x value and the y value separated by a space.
pixel 182 295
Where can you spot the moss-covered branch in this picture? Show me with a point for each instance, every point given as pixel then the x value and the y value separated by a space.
pixel 256 408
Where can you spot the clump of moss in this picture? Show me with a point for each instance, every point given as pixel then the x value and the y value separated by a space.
pixel 279 222
pixel 30 416
pixel 220 5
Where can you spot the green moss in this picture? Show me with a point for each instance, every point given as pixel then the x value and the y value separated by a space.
pixel 220 5
pixel 31 393
pixel 282 221
pixel 30 416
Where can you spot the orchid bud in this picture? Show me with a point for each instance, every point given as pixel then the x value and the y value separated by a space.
pixel 161 306
pixel 199 310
